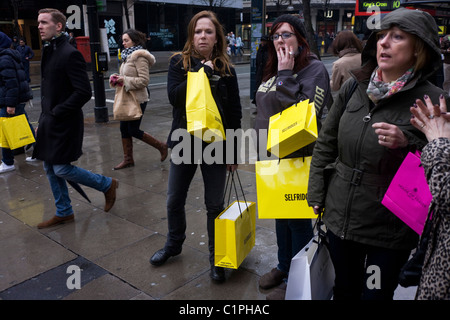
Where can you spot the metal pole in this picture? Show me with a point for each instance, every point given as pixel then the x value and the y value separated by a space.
pixel 100 109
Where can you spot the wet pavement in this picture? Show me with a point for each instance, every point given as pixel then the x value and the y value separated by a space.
pixel 106 255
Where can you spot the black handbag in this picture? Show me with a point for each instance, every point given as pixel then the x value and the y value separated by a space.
pixel 412 270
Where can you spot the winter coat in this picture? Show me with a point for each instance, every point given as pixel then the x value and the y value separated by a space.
pixel 136 73
pixel 287 88
pixel 65 89
pixel 225 90
pixel 350 171
pixel 25 52
pixel 14 88
pixel 348 59
pixel 435 280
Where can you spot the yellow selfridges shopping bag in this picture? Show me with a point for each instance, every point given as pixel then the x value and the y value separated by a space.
pixel 203 117
pixel 3 141
pixel 234 235
pixel 292 129
pixel 17 132
pixel 281 188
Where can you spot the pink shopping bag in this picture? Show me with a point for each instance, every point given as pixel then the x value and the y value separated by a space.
pixel 408 195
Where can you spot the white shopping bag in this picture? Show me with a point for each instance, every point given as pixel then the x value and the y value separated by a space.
pixel 311 275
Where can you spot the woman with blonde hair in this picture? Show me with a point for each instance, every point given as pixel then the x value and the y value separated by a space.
pixel 204 48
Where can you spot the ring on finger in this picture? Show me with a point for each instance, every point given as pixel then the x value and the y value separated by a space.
pixel 291 53
pixel 384 138
pixel 431 116
pixel 423 125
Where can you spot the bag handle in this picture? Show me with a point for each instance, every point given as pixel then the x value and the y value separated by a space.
pixel 233 183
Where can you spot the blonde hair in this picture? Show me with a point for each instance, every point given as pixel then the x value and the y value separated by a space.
pixel 219 58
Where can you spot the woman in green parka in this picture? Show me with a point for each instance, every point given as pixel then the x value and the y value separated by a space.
pixel 360 148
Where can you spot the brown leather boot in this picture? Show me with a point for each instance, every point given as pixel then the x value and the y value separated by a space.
pixel 110 195
pixel 127 144
pixel 161 146
pixel 55 221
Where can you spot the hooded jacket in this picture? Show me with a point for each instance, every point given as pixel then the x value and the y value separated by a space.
pixel 14 88
pixel 350 171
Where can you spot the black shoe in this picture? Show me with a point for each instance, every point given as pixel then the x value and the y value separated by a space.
pixel 217 274
pixel 160 257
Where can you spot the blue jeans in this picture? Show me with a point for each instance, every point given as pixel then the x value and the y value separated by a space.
pixel 8 154
pixel 180 177
pixel 57 174
pixel 292 236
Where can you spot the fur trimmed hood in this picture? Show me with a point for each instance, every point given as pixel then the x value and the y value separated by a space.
pixel 142 53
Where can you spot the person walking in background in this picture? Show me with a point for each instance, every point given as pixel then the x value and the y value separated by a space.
pixel 348 48
pixel 65 88
pixel 292 74
pixel 14 92
pixel 72 40
pixel 360 148
pixel 239 46
pixel 434 122
pixel 134 75
pixel 26 54
pixel 204 48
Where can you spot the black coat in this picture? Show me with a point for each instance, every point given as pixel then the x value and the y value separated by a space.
pixel 65 89
pixel 226 95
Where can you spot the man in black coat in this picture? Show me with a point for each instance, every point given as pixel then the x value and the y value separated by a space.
pixel 65 88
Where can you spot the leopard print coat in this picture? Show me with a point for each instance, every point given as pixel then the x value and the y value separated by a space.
pixel 435 280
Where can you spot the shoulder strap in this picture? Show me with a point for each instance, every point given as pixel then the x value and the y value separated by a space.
pixel 350 92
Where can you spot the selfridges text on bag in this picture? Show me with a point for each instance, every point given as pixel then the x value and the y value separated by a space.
pixel 281 187
pixel 292 129
pixel 16 132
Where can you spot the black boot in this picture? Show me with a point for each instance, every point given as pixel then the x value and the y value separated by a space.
pixel 217 273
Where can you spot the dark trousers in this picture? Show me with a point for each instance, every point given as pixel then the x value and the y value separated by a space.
pixel 130 129
pixel 180 178
pixel 292 236
pixel 365 272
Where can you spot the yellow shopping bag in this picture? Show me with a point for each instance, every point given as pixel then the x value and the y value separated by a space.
pixel 3 140
pixel 281 188
pixel 202 115
pixel 234 234
pixel 292 129
pixel 17 131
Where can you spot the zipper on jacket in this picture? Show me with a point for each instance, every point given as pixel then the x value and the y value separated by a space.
pixel 366 119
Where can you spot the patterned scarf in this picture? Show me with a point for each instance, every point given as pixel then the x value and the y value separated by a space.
pixel 128 51
pixel 378 89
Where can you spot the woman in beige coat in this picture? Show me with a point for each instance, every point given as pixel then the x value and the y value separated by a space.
pixel 134 76
pixel 348 48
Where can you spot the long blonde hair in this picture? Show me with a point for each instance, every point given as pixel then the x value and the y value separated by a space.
pixel 220 58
